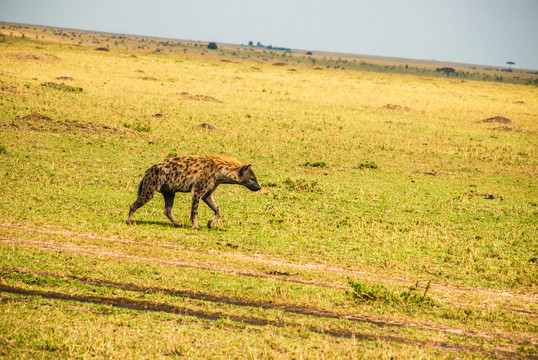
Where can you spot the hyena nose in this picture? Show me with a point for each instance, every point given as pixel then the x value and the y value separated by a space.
pixel 255 186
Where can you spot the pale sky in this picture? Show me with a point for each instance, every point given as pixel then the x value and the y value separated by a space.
pixel 488 32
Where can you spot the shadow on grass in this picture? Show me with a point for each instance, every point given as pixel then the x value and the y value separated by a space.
pixel 148 306
pixel 167 224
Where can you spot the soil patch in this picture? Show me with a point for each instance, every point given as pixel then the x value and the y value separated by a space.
pixel 62 87
pixel 485 196
pixel 189 96
pixel 207 126
pixel 29 57
pixel 42 123
pixel 397 107
pixel 498 120
pixel 506 128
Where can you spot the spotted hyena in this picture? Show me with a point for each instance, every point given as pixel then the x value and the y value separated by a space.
pixel 198 174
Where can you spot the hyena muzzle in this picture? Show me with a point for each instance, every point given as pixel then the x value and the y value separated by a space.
pixel 200 175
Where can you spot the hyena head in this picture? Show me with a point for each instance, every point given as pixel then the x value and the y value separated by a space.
pixel 247 178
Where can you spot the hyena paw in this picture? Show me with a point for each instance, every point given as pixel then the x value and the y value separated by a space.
pixel 129 222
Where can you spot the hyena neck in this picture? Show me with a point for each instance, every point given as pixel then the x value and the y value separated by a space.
pixel 228 177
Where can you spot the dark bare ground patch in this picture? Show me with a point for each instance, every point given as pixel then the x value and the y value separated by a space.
pixel 397 107
pixel 38 122
pixel 8 89
pixel 506 128
pixel 207 126
pixel 473 193
pixel 189 96
pixel 498 120
pixel 61 87
pixel 29 57
pixel 67 78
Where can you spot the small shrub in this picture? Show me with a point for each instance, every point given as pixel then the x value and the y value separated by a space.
pixel 370 292
pixel 171 154
pixel 62 87
pixel 320 164
pixel 367 165
pixel 212 46
pixel 138 126
pixel 301 185
pixel 3 149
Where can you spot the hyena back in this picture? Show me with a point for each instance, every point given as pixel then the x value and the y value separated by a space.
pixel 199 175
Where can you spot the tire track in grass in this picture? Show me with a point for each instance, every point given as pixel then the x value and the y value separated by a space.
pixel 148 306
pixel 307 311
pixel 264 260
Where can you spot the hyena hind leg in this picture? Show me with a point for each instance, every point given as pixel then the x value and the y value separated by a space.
pixel 140 201
pixel 211 203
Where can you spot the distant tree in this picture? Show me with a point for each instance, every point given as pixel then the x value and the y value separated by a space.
pixel 309 53
pixel 250 43
pixel 212 46
pixel 446 70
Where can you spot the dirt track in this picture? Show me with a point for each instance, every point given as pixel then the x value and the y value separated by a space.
pixel 228 264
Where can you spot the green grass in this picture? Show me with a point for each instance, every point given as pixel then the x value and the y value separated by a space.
pixel 351 189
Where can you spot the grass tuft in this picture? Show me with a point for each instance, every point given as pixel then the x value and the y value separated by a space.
pixel 319 164
pixel 367 165
pixel 62 87
pixel 138 126
pixel 370 292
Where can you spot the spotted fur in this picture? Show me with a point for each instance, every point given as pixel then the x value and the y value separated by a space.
pixel 200 175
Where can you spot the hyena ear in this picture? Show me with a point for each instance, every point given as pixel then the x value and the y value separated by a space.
pixel 243 169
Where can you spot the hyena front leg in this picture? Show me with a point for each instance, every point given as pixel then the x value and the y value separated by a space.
pixel 208 199
pixel 194 209
pixel 168 204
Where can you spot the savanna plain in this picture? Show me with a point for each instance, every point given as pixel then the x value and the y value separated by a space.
pixel 398 214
